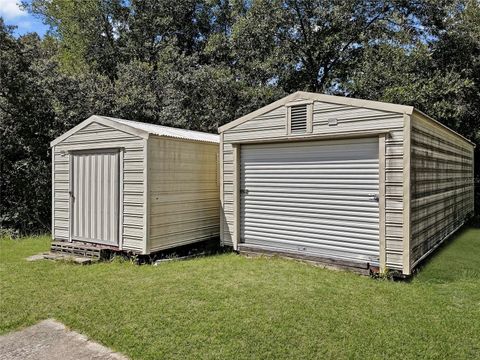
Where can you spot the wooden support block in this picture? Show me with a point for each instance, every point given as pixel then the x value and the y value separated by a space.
pixel 83 260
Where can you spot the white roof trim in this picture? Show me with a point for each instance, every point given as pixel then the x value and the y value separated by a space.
pixel 301 95
pixel 143 130
pixel 168 131
pixel 445 127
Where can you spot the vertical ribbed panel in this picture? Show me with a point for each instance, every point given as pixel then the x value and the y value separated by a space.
pixel 95 196
pixel 316 198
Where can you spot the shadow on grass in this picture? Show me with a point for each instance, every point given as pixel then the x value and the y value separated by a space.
pixel 457 259
pixel 204 248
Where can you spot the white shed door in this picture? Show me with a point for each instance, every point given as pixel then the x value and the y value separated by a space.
pixel 316 198
pixel 95 196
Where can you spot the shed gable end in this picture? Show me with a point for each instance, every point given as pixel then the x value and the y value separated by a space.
pixel 95 132
pixel 305 97
pixel 95 135
pixel 303 116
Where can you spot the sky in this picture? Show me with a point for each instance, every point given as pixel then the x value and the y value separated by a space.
pixel 13 14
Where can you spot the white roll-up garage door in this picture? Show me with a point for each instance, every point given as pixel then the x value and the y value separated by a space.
pixel 316 198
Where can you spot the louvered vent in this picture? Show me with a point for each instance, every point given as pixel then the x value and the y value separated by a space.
pixel 298 119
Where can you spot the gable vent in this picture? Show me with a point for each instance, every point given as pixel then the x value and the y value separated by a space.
pixel 298 119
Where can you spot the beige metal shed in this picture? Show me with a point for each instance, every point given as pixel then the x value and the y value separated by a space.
pixel 134 186
pixel 354 182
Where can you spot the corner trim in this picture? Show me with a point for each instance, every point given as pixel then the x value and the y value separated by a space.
pixel 381 203
pixel 146 200
pixel 222 209
pixel 53 193
pixel 70 192
pixel 120 197
pixel 407 232
pixel 236 196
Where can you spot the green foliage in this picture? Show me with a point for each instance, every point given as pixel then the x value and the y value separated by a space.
pixel 231 307
pixel 25 128
pixel 198 64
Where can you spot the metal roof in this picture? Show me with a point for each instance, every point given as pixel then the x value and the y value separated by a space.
pixel 161 130
pixel 140 129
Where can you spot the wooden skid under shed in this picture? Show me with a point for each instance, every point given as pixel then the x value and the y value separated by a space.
pixel 75 249
pixel 363 268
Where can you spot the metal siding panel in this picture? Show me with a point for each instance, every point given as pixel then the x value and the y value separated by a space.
pixel 312 197
pixel 183 192
pixel 442 185
pixel 132 175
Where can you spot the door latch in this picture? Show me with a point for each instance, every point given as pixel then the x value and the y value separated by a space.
pixel 244 191
pixel 373 197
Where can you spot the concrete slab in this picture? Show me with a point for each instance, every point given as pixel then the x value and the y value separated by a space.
pixel 51 340
pixel 36 257
pixel 53 256
pixel 82 260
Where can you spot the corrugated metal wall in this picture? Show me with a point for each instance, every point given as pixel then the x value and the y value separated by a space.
pixel 272 125
pixel 314 197
pixel 441 184
pixel 93 136
pixel 184 192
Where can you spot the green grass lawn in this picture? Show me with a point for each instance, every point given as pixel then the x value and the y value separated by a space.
pixel 228 306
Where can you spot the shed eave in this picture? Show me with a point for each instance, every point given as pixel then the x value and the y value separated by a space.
pixel 368 104
pixel 103 121
pixel 415 110
pixel 171 137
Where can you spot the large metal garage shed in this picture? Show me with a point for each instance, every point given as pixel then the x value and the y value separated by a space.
pixel 359 183
pixel 134 186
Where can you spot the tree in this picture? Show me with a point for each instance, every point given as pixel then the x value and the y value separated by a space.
pixel 26 115
pixel 89 32
pixel 315 44
pixel 439 75
pixel 37 103
pixel 198 64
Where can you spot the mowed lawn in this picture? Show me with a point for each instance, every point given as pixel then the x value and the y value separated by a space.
pixel 231 307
